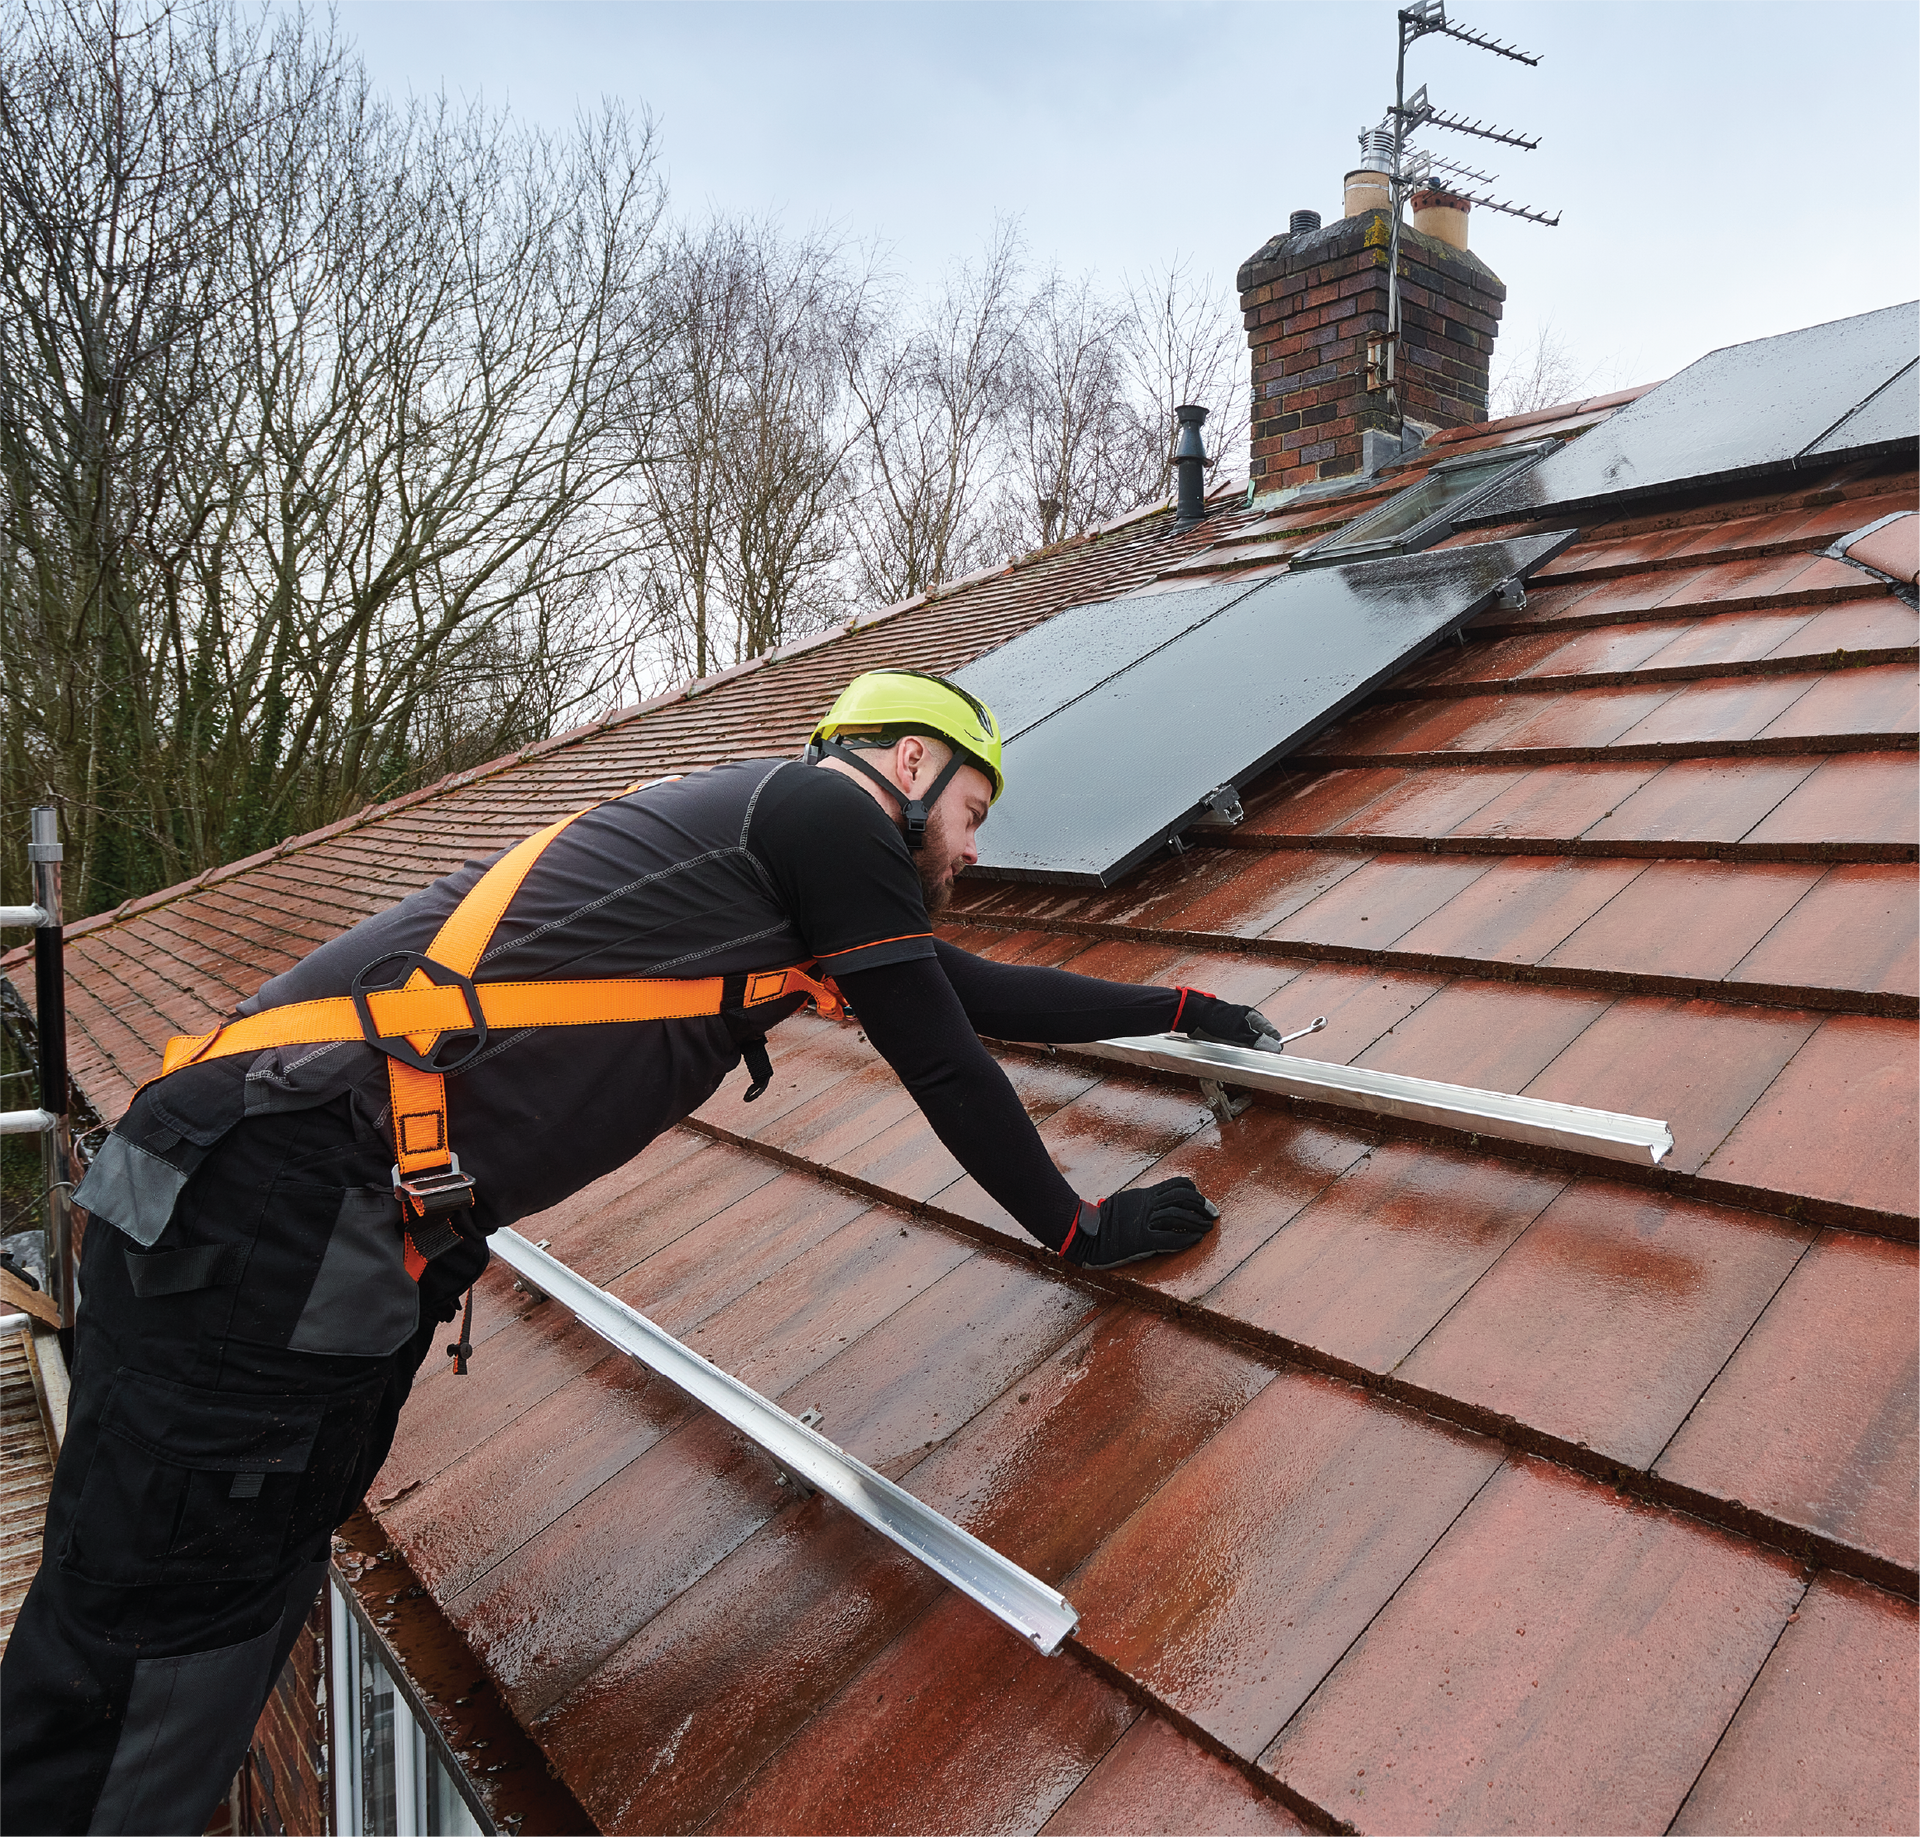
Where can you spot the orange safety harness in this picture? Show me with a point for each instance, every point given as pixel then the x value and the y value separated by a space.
pixel 407 1021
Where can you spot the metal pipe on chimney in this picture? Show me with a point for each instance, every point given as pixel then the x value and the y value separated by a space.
pixel 1189 466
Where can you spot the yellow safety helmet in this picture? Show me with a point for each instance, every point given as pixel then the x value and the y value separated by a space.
pixel 883 706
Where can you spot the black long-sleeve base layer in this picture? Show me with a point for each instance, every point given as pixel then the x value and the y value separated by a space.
pixel 925 1018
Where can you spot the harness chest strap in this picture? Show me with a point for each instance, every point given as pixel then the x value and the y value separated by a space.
pixel 427 1174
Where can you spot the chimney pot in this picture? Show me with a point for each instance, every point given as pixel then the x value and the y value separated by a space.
pixel 1301 221
pixel 1441 215
pixel 1367 189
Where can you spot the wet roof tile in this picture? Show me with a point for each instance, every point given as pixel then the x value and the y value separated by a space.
pixel 1391 896
pixel 1840 1122
pixel 1880 699
pixel 1605 1322
pixel 1295 1525
pixel 1694 919
pixel 703 1695
pixel 1368 1267
pixel 1553 1620
pixel 1156 1780
pixel 1552 802
pixel 1848 932
pixel 1826 1739
pixel 1494 1036
pixel 1522 907
pixel 1813 1419
pixel 1260 1172
pixel 1865 797
pixel 959 1725
pixel 555 1453
pixel 1702 800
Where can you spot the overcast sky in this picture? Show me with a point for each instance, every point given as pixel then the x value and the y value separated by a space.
pixel 1725 170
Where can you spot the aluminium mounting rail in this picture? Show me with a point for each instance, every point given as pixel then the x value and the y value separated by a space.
pixel 1638 1139
pixel 1023 1602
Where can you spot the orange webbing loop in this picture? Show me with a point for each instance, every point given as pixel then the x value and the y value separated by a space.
pixel 420 1131
pixel 772 985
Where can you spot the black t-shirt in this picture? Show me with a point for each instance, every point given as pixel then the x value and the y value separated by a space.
pixel 841 868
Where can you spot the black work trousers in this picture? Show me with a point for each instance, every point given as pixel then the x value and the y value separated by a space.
pixel 235 1389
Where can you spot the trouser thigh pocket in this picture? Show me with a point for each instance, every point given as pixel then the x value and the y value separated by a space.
pixel 189 1485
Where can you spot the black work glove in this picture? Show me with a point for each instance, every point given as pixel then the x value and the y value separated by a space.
pixel 1149 1221
pixel 1223 1023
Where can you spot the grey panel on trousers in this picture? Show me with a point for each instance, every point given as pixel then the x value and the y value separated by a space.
pixel 1043 669
pixel 363 1304
pixel 1738 412
pixel 186 1728
pixel 1098 785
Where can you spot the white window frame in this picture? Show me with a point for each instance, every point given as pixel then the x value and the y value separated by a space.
pixel 415 1751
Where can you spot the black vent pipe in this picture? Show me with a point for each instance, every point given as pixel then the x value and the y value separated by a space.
pixel 1301 221
pixel 1189 467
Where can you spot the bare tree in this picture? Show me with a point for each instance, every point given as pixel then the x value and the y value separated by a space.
pixel 1076 454
pixel 1183 343
pixel 741 470
pixel 932 402
pixel 1540 375
pixel 307 410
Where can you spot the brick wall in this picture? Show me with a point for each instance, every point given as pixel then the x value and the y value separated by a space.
pixel 1312 301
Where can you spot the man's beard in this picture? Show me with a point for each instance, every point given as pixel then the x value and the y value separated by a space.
pixel 936 884
pixel 934 864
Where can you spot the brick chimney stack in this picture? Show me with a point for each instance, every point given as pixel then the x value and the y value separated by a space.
pixel 1315 306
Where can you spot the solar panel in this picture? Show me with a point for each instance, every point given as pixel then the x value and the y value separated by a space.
pixel 1122 765
pixel 1820 394
pixel 1045 668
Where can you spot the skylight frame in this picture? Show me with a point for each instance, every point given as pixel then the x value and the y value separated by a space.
pixel 1351 543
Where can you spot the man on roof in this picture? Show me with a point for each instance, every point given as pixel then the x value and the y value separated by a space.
pixel 281 1219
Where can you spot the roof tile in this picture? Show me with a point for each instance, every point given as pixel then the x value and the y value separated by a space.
pixel 1553 1621
pixel 1826 1738
pixel 1813 1419
pixel 1156 1780
pixel 1849 932
pixel 1294 1526
pixel 958 1725
pixel 1700 1065
pixel 1367 1268
pixel 1606 1320
pixel 1841 1122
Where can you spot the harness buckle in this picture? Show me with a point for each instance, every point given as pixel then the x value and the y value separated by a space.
pixel 436 1193
pixel 396 1047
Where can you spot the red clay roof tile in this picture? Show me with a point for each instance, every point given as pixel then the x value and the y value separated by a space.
pixel 1825 1739
pixel 1608 1317
pixel 1553 1621
pixel 1365 1271
pixel 1292 1528
pixel 1813 1419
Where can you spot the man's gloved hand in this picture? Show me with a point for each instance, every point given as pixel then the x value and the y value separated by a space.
pixel 1224 1023
pixel 1147 1222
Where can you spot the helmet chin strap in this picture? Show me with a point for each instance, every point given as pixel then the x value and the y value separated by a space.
pixel 915 810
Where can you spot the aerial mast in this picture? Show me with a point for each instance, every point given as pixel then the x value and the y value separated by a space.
pixel 1411 166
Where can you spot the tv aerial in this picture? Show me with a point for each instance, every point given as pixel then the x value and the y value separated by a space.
pixel 1408 168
